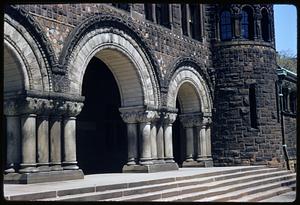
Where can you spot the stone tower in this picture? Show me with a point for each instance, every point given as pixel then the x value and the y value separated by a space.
pixel 247 129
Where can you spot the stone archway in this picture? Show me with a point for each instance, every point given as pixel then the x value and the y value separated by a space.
pixel 133 73
pixel 25 78
pixel 190 90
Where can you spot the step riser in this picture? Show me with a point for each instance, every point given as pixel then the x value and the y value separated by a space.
pixel 198 189
pixel 254 192
pixel 174 193
pixel 201 196
pixel 257 199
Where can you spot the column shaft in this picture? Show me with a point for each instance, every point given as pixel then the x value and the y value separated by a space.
pixel 13 141
pixel 208 142
pixel 189 143
pixel 28 123
pixel 70 162
pixel 55 143
pixel 201 143
pixel 43 143
pixel 168 143
pixel 153 141
pixel 160 143
pixel 132 143
pixel 145 157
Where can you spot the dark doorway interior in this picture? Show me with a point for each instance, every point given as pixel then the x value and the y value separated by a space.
pixel 101 133
pixel 178 139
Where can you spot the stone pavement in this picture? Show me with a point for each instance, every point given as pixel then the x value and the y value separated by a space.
pixel 106 179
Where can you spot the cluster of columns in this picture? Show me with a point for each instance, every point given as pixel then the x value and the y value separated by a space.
pixel 40 135
pixel 198 141
pixel 149 136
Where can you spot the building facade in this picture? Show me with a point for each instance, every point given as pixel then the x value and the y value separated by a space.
pixel 138 88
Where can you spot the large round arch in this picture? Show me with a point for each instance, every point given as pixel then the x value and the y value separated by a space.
pixel 133 74
pixel 24 59
pixel 128 63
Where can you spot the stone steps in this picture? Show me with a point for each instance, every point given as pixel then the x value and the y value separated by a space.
pixel 218 185
pixel 215 191
pixel 185 187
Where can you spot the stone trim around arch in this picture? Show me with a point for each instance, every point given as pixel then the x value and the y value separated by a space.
pixel 189 75
pixel 22 44
pixel 102 39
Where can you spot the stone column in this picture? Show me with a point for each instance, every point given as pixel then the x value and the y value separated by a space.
pixel 43 143
pixel 29 107
pixel 204 142
pixel 69 126
pixel 257 26
pixel 43 136
pixel 201 143
pixel 187 123
pixel 153 135
pixel 168 121
pixel 55 137
pixel 160 141
pixel 130 118
pixel 145 118
pixel 13 136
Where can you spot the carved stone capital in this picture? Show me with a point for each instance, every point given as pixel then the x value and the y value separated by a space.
pixel 57 107
pixel 10 107
pixel 146 116
pixel 30 105
pixel 190 120
pixel 72 109
pixel 129 117
pixel 169 118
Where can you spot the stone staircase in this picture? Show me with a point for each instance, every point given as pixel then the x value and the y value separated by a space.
pixel 247 184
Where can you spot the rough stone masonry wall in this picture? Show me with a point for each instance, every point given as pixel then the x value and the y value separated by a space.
pixel 234 141
pixel 58 20
pixel 290 134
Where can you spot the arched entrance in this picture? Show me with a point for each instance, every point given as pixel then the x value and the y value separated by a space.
pixel 128 72
pixel 189 93
pixel 101 133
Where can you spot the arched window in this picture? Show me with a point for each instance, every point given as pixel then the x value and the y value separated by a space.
pixel 122 6
pixel 247 23
pixel 195 21
pixel 148 12
pixel 163 15
pixel 265 25
pixel 184 20
pixel 225 26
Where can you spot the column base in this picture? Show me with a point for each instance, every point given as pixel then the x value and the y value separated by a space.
pixel 205 162
pixel 31 178
pixel 44 168
pixel 150 168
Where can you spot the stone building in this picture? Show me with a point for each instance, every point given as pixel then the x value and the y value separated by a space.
pixel 138 88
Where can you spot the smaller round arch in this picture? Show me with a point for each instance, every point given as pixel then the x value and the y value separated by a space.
pixel 191 89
